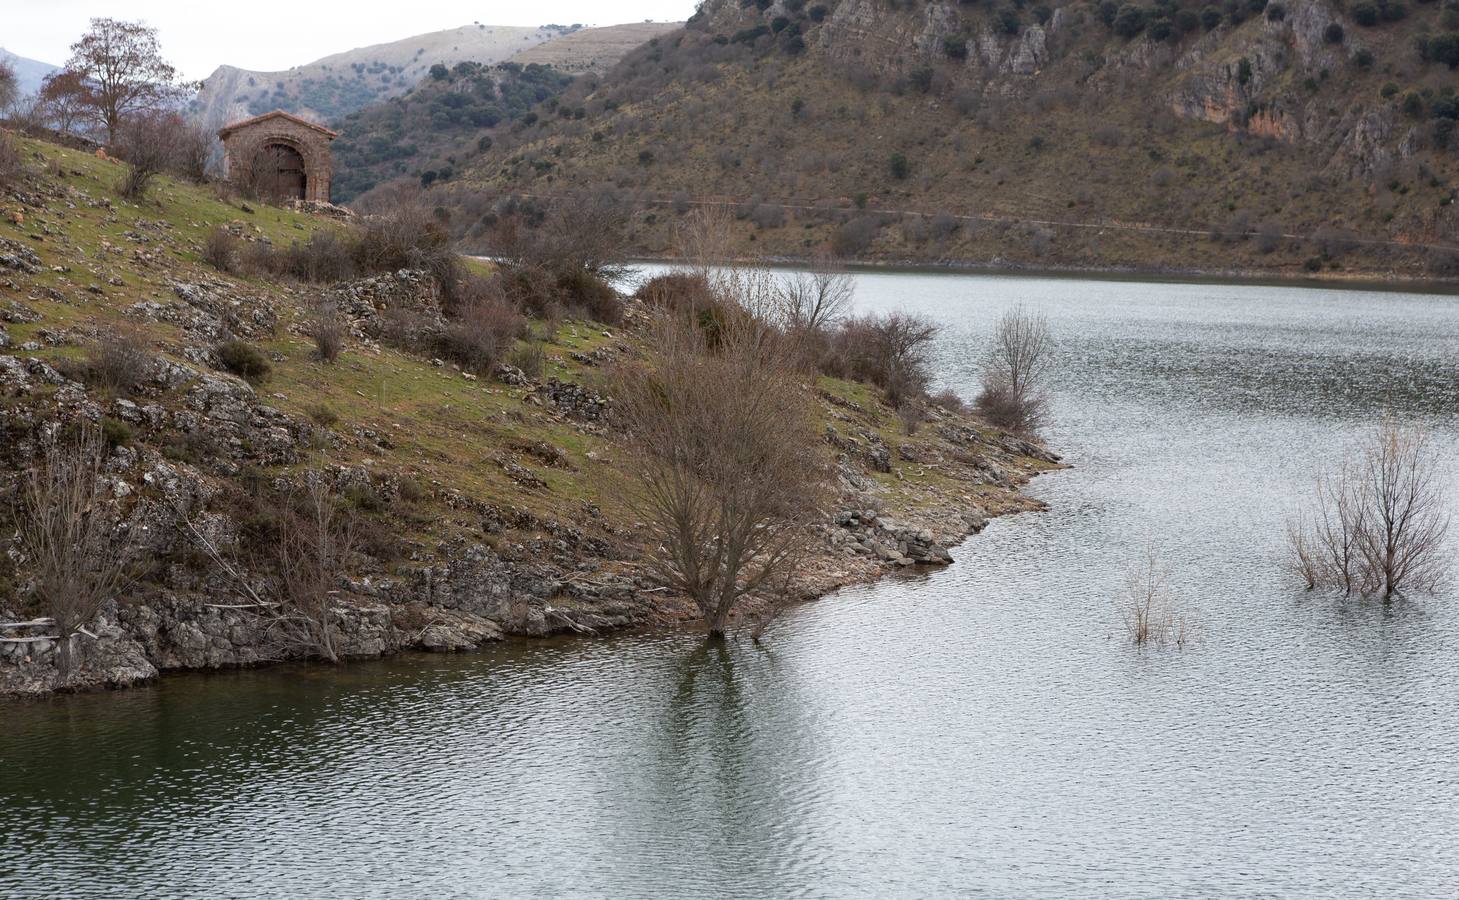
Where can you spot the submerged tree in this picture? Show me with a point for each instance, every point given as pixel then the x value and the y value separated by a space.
pixel 1379 524
pixel 728 477
pixel 1015 390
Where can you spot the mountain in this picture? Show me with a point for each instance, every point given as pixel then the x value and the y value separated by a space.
pixel 344 82
pixel 29 72
pixel 1293 136
pixel 457 110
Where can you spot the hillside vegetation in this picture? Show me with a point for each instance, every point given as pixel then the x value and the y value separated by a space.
pixel 265 381
pixel 448 117
pixel 1292 136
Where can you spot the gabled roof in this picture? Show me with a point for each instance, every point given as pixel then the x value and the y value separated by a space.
pixel 276 114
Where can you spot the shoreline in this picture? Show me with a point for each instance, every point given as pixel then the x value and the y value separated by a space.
pixel 1356 281
pixel 829 567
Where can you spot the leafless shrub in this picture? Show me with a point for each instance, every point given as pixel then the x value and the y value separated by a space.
pixel 220 249
pixel 12 166
pixel 68 537
pixel 316 540
pixel 1380 523
pixel 816 299
pixel 889 351
pixel 481 331
pixel 531 358
pixel 1148 609
pixel 1015 393
pixel 950 401
pixel 702 239
pixel 144 142
pixel 328 329
pixel 854 237
pixel 911 413
pixel 120 361
pixel 728 478
pixel 324 257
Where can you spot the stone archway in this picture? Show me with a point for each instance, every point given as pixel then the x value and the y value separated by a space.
pixel 279 172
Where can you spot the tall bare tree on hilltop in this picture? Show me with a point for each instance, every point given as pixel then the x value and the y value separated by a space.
pixel 122 66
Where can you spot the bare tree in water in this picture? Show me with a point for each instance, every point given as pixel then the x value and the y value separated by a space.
pixel 728 476
pixel 68 534
pixel 315 544
pixel 1380 524
pixel 1014 393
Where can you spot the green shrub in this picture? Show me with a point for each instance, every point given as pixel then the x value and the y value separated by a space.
pixel 1389 89
pixel 244 360
pixel 1365 14
pixel 1333 34
pixel 116 433
pixel 955 46
pixel 899 166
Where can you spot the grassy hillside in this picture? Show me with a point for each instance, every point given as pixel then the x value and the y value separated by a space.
pixel 482 505
pixel 1283 137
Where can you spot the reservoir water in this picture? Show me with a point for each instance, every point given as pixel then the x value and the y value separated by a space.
pixel 983 729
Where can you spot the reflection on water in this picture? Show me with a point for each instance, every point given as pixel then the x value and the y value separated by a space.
pixel 981 728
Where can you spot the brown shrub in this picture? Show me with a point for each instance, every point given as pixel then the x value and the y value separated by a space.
pixel 220 250
pixel 120 362
pixel 481 331
pixel 11 164
pixel 327 327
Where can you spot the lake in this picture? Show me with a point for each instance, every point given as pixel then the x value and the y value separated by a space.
pixel 984 729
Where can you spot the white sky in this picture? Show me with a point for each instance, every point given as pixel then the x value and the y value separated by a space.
pixel 199 35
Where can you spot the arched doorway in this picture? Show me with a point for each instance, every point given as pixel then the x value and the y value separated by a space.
pixel 278 173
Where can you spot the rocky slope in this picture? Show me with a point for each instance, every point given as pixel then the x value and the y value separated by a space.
pixel 1295 137
pixel 483 508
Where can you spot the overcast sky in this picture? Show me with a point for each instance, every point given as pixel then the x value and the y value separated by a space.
pixel 199 35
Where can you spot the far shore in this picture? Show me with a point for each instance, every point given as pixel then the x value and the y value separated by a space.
pixel 1343 281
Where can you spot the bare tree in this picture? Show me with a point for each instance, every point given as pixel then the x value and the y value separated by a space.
pixel 1380 524
pixel 1406 524
pixel 121 65
pixel 64 99
pixel 817 298
pixel 728 479
pixel 315 544
pixel 1014 393
pixel 702 240
pixel 68 536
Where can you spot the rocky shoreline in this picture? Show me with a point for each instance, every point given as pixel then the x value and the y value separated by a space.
pixel 462 594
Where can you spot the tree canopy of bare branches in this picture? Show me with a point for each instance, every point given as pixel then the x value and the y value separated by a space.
pixel 69 538
pixel 816 299
pixel 727 479
pixel 121 66
pixel 1015 393
pixel 1380 522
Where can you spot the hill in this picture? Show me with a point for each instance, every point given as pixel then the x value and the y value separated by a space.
pixel 593 49
pixel 29 72
pixel 1291 137
pixel 344 82
pixel 449 116
pixel 478 505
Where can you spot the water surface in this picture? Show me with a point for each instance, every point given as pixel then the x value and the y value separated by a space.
pixel 985 728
